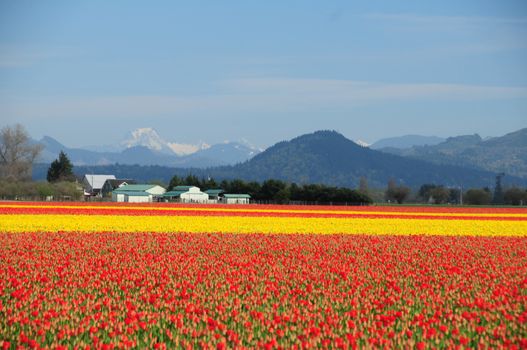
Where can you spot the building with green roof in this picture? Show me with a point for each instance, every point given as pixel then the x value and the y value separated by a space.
pixel 236 198
pixel 186 194
pixel 137 193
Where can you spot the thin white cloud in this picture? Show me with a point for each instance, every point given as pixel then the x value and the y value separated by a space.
pixel 249 95
pixel 446 22
pixel 347 90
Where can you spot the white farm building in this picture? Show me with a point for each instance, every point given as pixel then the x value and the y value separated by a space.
pixel 232 198
pixel 186 194
pixel 137 193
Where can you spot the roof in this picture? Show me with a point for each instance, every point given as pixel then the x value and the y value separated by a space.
pixel 135 193
pixel 173 193
pixel 96 181
pixel 114 183
pixel 183 188
pixel 236 195
pixel 133 188
pixel 215 191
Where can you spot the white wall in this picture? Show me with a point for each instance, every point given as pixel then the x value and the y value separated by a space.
pixel 237 200
pixel 138 199
pixel 199 197
pixel 118 197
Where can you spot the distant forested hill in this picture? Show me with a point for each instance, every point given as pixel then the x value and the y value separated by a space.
pixel 506 154
pixel 328 157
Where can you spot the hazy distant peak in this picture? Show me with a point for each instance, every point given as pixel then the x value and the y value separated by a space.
pixel 50 140
pixel 407 141
pixel 516 138
pixel 52 144
pixel 507 153
pixel 466 140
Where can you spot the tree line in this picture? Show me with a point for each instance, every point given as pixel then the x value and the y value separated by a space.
pixel 439 194
pixel 276 190
pixel 39 190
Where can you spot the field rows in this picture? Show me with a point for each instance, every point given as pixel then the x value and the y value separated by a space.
pixel 156 276
pixel 265 219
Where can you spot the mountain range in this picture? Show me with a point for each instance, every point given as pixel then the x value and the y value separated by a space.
pixel 322 157
pixel 507 154
pixel 328 157
pixel 144 146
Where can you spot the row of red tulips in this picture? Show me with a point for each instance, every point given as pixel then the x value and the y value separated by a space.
pixel 206 290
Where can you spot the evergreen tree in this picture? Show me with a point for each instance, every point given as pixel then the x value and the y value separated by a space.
pixel 61 169
pixel 174 181
pixel 192 180
pixel 498 191
pixel 271 187
pixel 209 184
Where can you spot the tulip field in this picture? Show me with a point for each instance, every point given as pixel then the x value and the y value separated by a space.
pixel 163 276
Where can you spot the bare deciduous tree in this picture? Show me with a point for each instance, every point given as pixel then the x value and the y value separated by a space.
pixel 396 193
pixel 17 153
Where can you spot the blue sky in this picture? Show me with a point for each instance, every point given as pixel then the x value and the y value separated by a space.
pixel 87 72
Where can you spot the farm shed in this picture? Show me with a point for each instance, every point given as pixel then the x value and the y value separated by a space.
pixel 214 194
pixel 137 193
pixel 232 198
pixel 186 194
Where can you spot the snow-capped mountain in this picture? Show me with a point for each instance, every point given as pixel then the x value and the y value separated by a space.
pixel 362 143
pixel 149 138
pixel 246 143
pixel 220 154
pixel 185 149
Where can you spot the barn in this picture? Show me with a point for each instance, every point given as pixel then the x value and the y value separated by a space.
pixel 186 194
pixel 138 193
